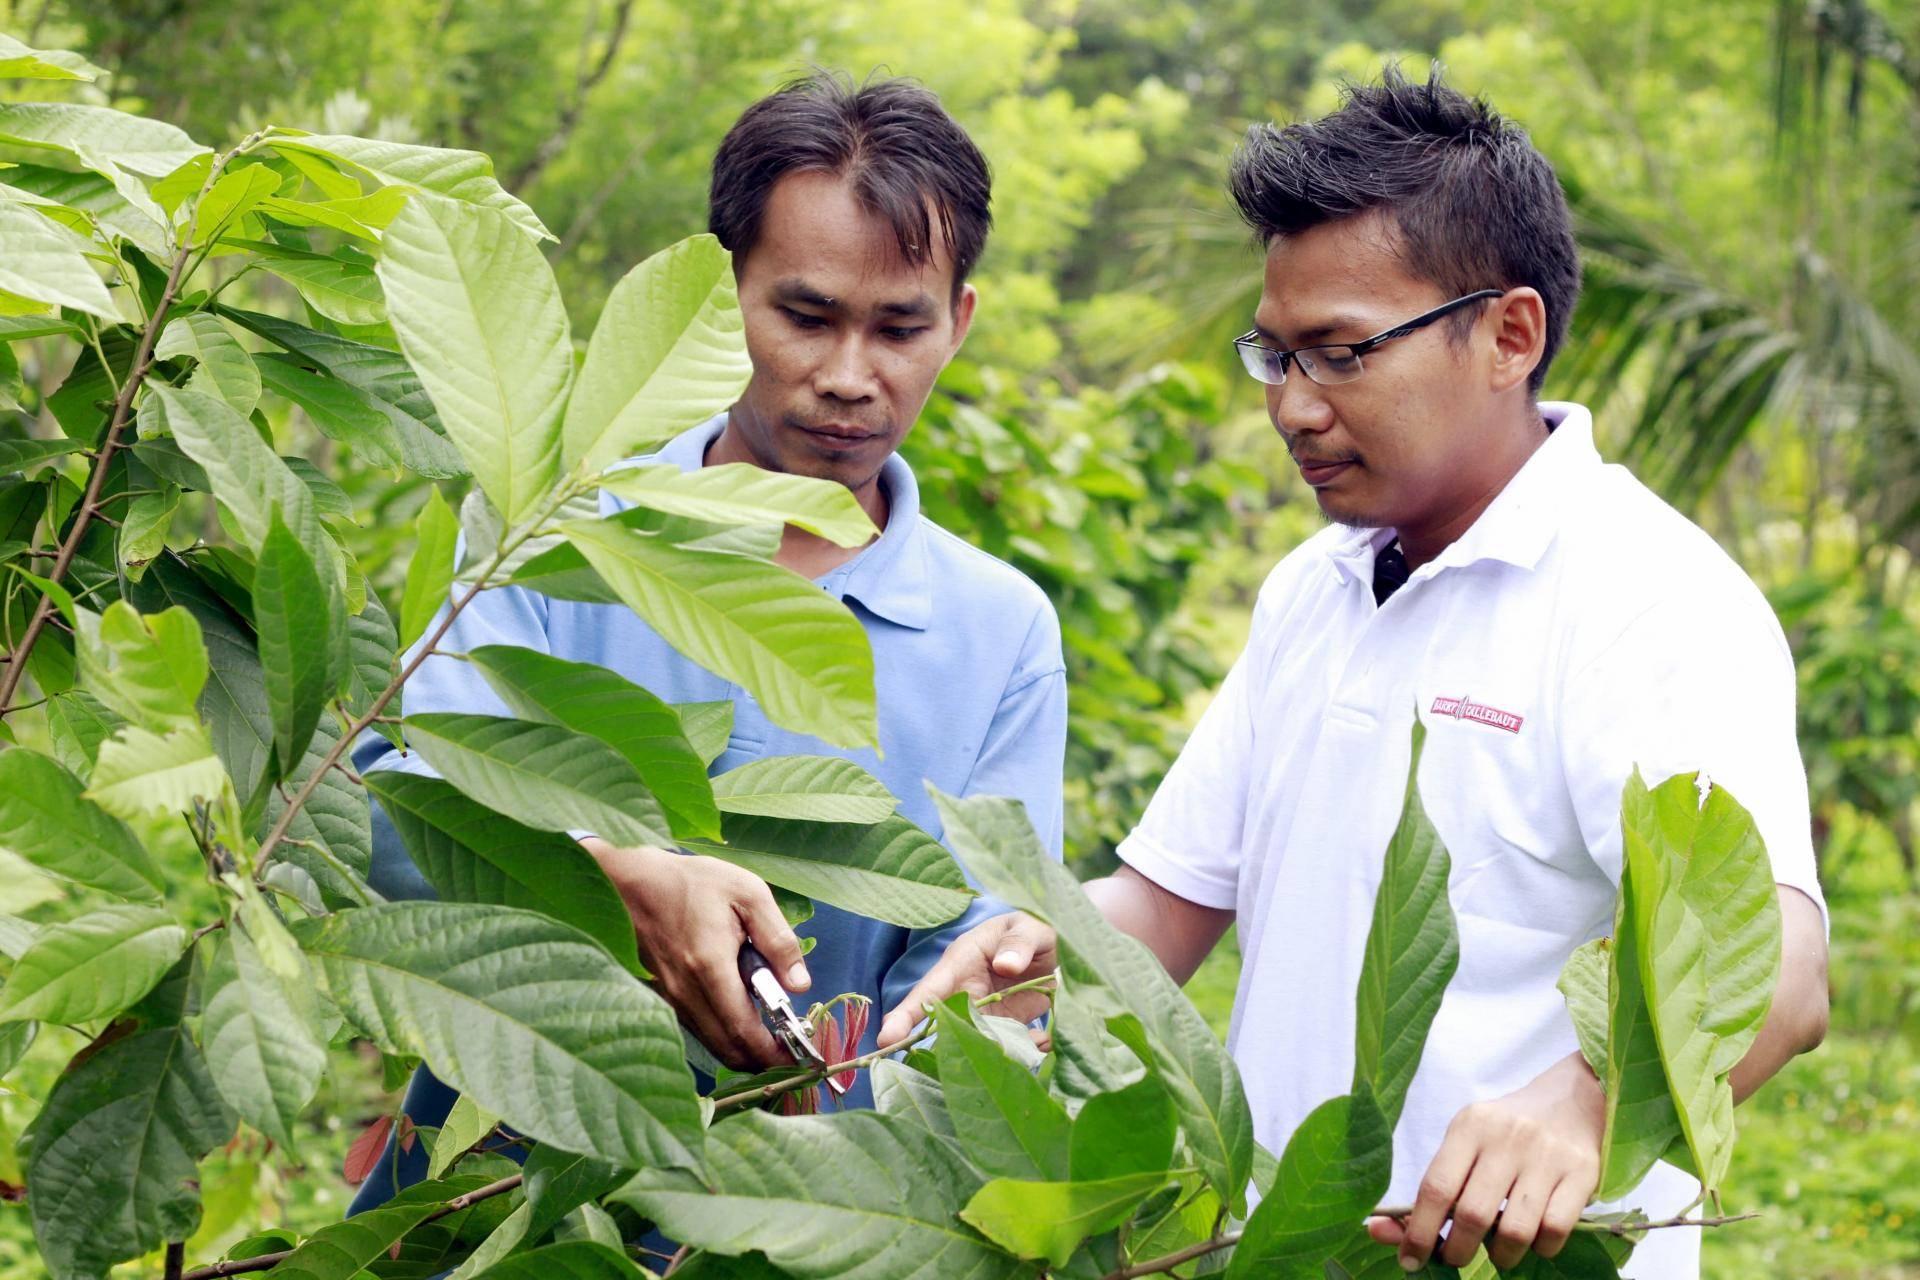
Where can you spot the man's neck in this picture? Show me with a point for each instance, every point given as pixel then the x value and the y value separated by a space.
pixel 807 554
pixel 1425 543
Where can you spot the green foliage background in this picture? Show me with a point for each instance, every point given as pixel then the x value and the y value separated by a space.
pixel 1745 172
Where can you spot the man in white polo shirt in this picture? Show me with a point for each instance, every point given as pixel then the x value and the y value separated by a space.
pixel 1552 622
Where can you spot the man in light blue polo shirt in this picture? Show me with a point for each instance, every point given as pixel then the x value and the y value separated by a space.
pixel 854 217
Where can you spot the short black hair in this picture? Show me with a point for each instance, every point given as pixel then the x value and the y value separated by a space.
pixel 1476 204
pixel 889 136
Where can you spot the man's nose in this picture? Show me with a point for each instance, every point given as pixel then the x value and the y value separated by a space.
pixel 847 372
pixel 1298 406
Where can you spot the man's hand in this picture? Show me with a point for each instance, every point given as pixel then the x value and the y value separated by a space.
pixel 690 915
pixel 1537 1149
pixel 989 957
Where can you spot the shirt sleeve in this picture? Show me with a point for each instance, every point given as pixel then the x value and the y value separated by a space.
pixel 1023 755
pixel 1700 683
pixel 1189 840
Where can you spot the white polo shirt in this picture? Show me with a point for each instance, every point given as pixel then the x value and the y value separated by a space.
pixel 1579 627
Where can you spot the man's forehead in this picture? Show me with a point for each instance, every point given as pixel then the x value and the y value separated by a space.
pixel 816 230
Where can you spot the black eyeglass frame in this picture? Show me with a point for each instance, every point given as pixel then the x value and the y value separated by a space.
pixel 1250 341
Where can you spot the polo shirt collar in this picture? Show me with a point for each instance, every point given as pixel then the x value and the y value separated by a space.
pixel 1520 523
pixel 890 577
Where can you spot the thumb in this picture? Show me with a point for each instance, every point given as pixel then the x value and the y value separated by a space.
pixel 774 937
pixel 1024 938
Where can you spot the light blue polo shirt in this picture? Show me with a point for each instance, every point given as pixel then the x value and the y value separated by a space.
pixel 972 697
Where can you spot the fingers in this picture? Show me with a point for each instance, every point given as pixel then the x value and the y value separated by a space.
pixel 1564 1207
pixel 1519 1222
pixel 1441 1186
pixel 963 968
pixel 1387 1231
pixel 772 935
pixel 1022 939
pixel 1477 1207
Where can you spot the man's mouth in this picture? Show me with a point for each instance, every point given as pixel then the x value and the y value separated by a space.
pixel 1318 472
pixel 843 433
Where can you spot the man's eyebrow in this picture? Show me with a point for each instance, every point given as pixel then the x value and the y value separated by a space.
pixel 911 309
pixel 1326 329
pixel 794 289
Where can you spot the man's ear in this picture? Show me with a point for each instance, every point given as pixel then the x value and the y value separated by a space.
pixel 1519 323
pixel 962 318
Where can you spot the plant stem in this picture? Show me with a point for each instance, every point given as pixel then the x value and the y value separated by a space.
pixel 122 409
pixel 240 1266
pixel 176 1258
pixel 816 1074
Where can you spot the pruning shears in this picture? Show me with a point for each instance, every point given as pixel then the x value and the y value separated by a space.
pixel 793 1032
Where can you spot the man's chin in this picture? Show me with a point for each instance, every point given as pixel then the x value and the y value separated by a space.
pixel 1343 511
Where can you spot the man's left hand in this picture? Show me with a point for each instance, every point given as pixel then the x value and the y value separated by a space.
pixel 1537 1149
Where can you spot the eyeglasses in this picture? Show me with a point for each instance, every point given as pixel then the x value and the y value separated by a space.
pixel 1340 362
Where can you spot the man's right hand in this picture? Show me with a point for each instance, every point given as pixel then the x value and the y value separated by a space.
pixel 991 956
pixel 690 915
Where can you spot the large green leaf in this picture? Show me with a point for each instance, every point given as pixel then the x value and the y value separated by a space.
pixel 45 819
pixel 890 870
pixel 20 62
pixel 382 374
pixel 544 775
pixel 235 193
pixel 1413 948
pixel 1332 1174
pixel 141 773
pixel 302 632
pixel 669 351
pixel 856 1196
pixel 1007 1122
pixel 1129 1130
pixel 799 651
pixel 1585 1257
pixel 464 175
pixel 260 1026
pixel 147 146
pixel 430 570
pixel 529 1015
pixel 344 290
pixel 228 371
pixel 147 668
pixel 995 840
pixel 815 788
pixel 48 263
pixel 469 853
pixel 113 1153
pixel 741 493
pixel 606 705
pixel 899 1090
pixel 479 316
pixel 19 455
pixel 1048 1220
pixel 341 1250
pixel 93 966
pixel 388 434
pixel 567 1260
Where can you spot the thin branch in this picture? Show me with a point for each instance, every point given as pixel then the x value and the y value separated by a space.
pixel 176 1258
pixel 206 929
pixel 122 408
pixel 556 140
pixel 240 1266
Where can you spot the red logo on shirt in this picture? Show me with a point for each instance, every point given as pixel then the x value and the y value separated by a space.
pixel 1477 712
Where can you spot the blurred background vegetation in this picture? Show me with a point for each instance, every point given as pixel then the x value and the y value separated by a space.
pixel 1746 175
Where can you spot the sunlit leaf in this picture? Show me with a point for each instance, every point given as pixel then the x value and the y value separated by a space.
pixel 815 788
pixel 1048 1220
pixel 464 175
pixel 430 569
pixel 45 819
pixel 219 358
pixel 93 966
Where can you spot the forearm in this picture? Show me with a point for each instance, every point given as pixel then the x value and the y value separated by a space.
pixel 1797 1020
pixel 1180 933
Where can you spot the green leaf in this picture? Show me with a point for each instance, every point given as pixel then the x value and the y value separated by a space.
pixel 1585 1257
pixel 567 1260
pixel 344 290
pixel 856 1196
pixel 559 1181
pixel 148 668
pixel 144 145
pixel 430 571
pixel 45 819
pixel 1007 1122
pixel 916 1098
pixel 1583 981
pixel 606 705
pixel 302 638
pixel 1122 1132
pixel 144 528
pixel 342 1250
pixel 235 192
pixel 469 853
pixel 93 966
pixel 668 352
pixel 362 216
pixel 995 840
pixel 78 723
pixel 48 263
pixel 799 651
pixel 567 1046
pixel 478 314
pixel 19 455
pixel 141 773
pixel 544 775
pixel 504 1240
pixel 464 175
pixel 1413 948
pixel 19 62
pixel 741 493
pixel 382 374
pixel 248 477
pixel 260 1024
pixel 815 788
pixel 1336 1167
pixel 466 1125
pixel 389 435
pixel 891 870
pixel 1048 1220
pixel 228 371
pixel 113 1160
pixel 15 1039
pixel 708 726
